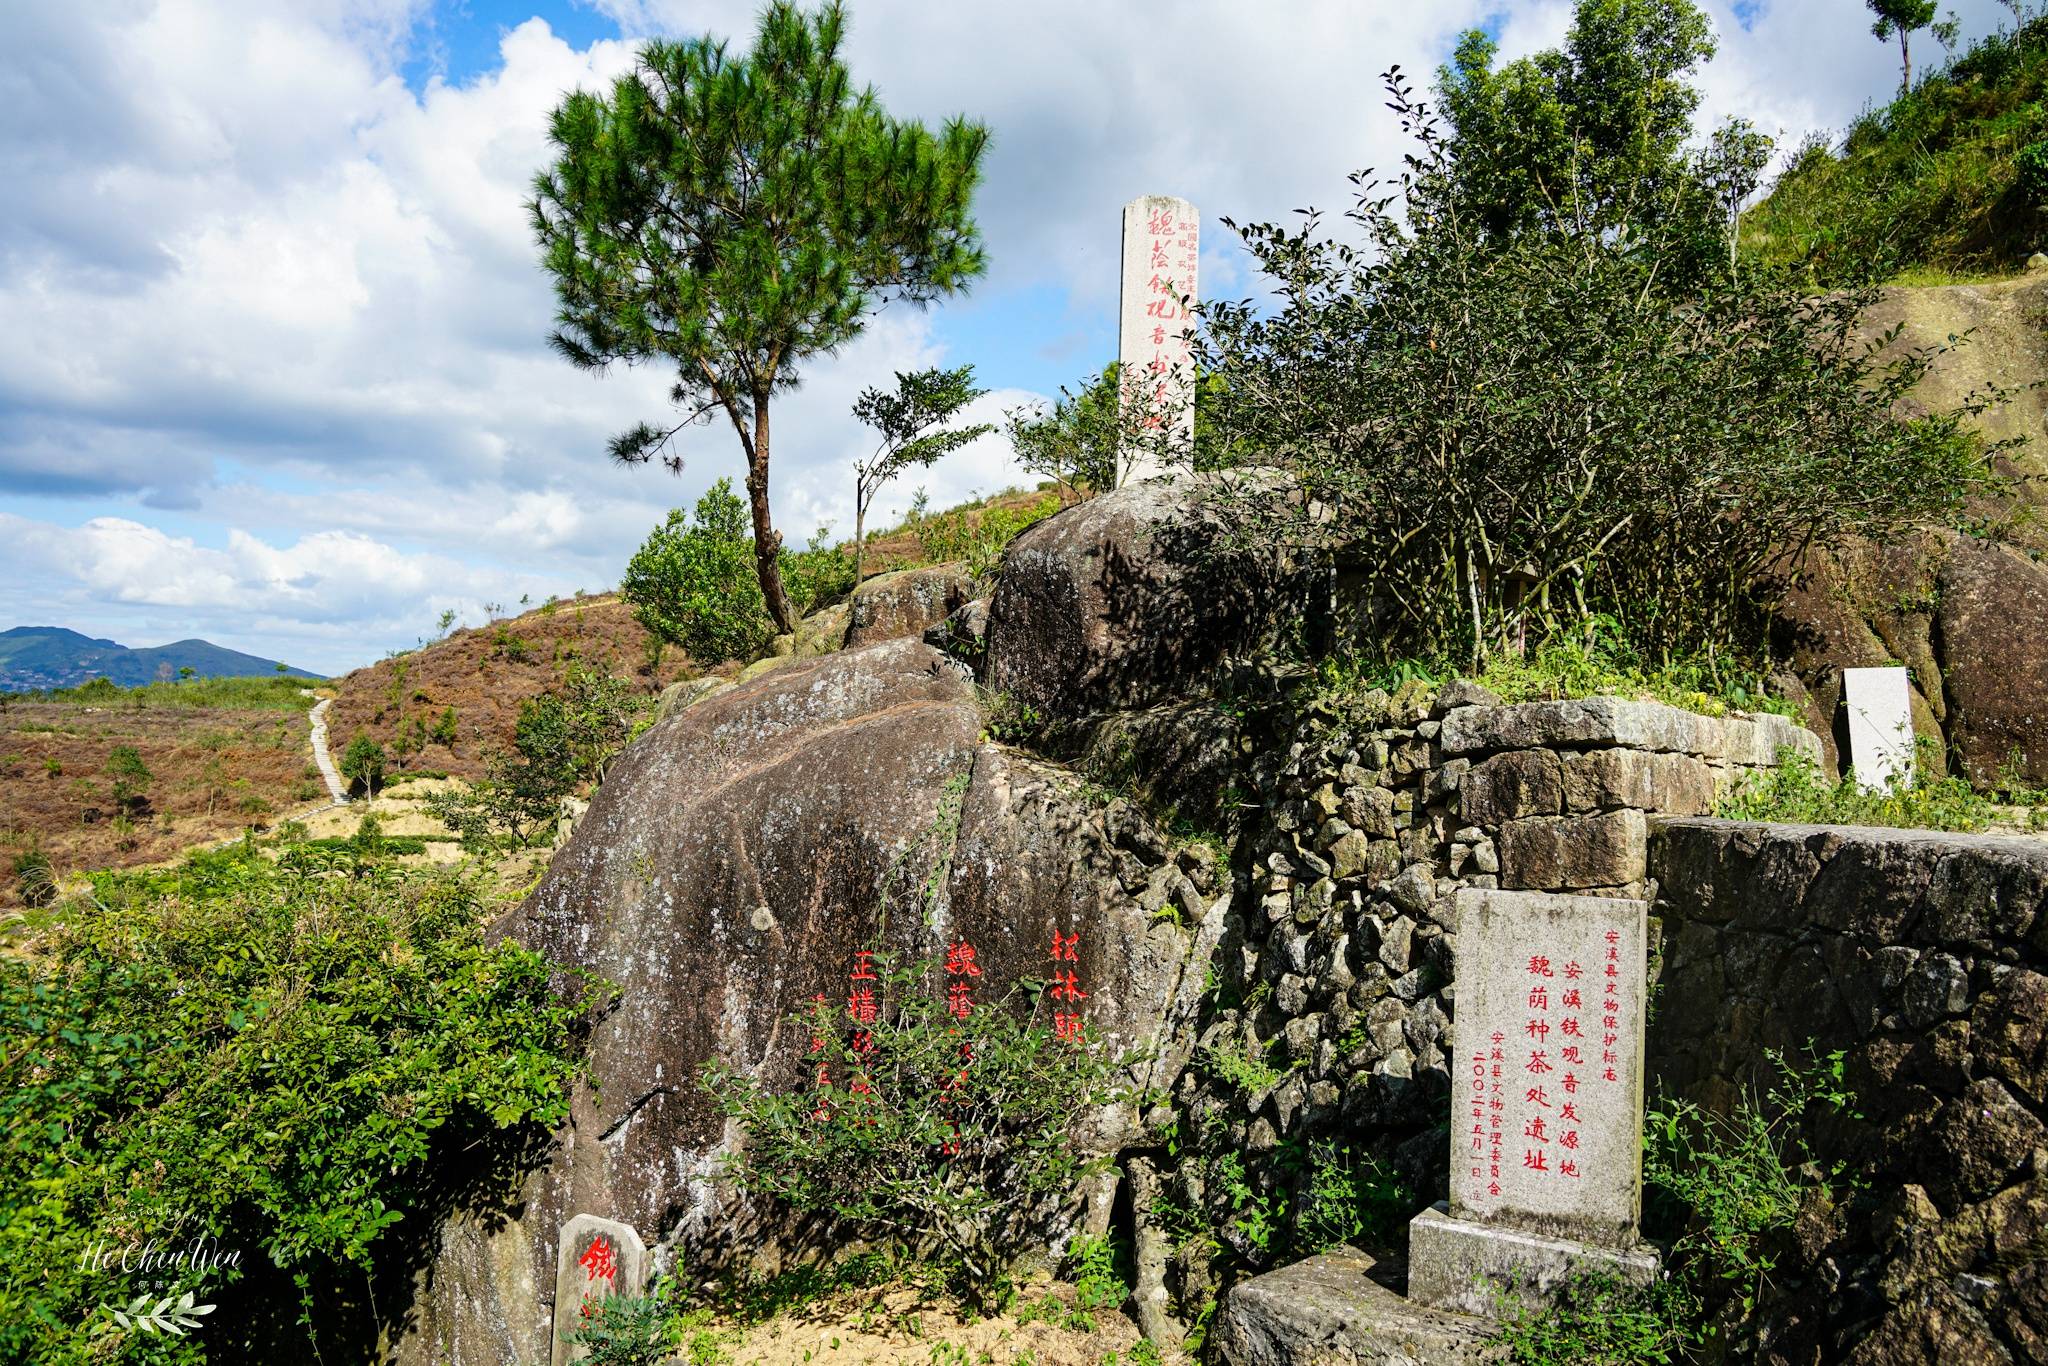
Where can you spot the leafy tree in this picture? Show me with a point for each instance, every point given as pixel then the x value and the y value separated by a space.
pixel 912 425
pixel 738 215
pixel 444 728
pixel 1903 17
pixel 1510 435
pixel 561 742
pixel 131 778
pixel 1076 442
pixel 692 581
pixel 1590 139
pixel 362 763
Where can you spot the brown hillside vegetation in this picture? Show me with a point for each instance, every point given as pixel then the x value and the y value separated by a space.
pixel 214 771
pixel 486 672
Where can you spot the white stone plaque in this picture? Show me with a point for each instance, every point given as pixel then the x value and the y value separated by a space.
pixel 1880 708
pixel 596 1258
pixel 1162 246
pixel 1547 1083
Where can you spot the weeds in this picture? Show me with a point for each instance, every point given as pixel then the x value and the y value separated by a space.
pixel 1795 791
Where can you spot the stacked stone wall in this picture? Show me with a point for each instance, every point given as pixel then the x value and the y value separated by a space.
pixel 1334 976
pixel 1923 957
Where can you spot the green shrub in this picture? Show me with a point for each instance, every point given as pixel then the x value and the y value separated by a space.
pixel 978 535
pixel 1528 392
pixel 233 1049
pixel 960 1132
pixel 131 778
pixel 1600 1320
pixel 693 583
pixel 560 743
pixel 1350 1198
pixel 1949 177
pixel 631 1329
pixel 817 576
pixel 1742 1177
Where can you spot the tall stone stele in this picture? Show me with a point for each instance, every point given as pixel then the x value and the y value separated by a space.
pixel 1546 1103
pixel 1162 246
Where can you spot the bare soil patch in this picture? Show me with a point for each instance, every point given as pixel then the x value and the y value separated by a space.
pixel 214 771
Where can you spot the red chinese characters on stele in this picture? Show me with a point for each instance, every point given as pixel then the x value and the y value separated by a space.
pixel 1551 1080
pixel 1171 262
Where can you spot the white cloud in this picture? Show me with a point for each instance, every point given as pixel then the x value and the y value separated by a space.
pixel 249 274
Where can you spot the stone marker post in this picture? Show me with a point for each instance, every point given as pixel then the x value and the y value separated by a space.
pixel 1162 239
pixel 1880 710
pixel 1547 1102
pixel 596 1258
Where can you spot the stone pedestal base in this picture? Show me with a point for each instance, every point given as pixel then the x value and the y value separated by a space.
pixel 1329 1311
pixel 1466 1267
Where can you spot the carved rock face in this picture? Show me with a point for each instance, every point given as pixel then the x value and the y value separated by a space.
pixel 735 858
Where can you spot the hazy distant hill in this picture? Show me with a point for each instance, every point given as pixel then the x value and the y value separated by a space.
pixel 51 657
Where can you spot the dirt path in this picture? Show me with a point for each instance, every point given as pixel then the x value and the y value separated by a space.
pixel 321 758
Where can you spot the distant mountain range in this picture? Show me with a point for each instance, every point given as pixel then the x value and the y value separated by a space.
pixel 34 657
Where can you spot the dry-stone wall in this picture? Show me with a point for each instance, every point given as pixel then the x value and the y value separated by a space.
pixel 1924 957
pixel 1333 994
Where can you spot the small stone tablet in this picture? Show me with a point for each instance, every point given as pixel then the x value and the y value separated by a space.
pixel 1880 708
pixel 597 1258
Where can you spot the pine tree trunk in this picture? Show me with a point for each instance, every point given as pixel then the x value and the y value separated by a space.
pixel 1905 63
pixel 767 545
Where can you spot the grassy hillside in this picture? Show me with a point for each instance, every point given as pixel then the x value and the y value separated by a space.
pixel 1949 180
pixel 485 673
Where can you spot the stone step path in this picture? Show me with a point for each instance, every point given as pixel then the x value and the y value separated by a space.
pixel 321 758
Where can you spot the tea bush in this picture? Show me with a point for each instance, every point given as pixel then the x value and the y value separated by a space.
pixel 924 1125
pixel 255 1053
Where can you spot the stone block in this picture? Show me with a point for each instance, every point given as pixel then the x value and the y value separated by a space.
pixel 1755 740
pixel 1547 1064
pixel 1581 723
pixel 1335 1310
pixel 1510 786
pixel 1468 1268
pixel 1550 853
pixel 1671 784
pixel 596 1258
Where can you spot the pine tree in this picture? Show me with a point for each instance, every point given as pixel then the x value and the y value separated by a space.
pixel 736 215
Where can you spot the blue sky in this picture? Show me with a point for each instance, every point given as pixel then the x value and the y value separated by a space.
pixel 275 370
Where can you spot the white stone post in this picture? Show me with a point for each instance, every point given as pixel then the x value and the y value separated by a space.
pixel 1880 726
pixel 1162 249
